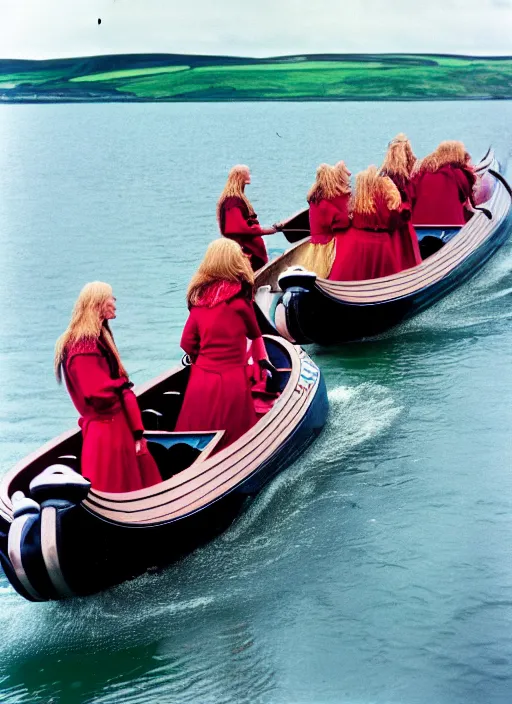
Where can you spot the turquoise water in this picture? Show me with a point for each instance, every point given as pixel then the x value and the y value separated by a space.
pixel 376 569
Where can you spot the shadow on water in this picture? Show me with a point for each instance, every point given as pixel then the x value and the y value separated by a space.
pixel 69 677
pixel 141 638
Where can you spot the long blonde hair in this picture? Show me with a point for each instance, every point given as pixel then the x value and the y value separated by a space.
pixel 223 261
pixel 235 186
pixel 449 152
pixel 399 161
pixel 87 323
pixel 331 181
pixel 371 188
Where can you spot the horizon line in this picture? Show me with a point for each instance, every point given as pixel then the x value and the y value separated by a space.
pixel 263 58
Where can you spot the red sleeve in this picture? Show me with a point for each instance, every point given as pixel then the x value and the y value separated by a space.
pixel 132 410
pixel 465 181
pixel 236 224
pixel 97 387
pixel 405 211
pixel 340 219
pixel 332 217
pixel 411 193
pixel 396 219
pixel 245 309
pixel 190 339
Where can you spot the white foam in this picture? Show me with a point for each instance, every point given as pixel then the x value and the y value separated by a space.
pixel 356 415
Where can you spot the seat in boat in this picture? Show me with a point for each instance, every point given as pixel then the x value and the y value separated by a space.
pixel 432 238
pixel 173 452
pixel 165 415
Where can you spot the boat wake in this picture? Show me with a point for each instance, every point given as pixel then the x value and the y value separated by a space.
pixel 481 300
pixel 356 415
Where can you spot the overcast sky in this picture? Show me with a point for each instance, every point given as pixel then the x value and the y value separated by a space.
pixel 53 28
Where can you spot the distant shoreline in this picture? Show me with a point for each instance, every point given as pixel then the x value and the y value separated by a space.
pixel 302 78
pixel 71 101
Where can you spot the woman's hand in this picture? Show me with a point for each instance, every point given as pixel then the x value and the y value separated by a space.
pixel 266 365
pixel 141 447
pixel 262 370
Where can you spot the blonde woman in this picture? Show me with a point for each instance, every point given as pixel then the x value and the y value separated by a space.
pixel 398 166
pixel 366 250
pixel 328 200
pixel 219 296
pixel 237 219
pixel 114 454
pixel 443 183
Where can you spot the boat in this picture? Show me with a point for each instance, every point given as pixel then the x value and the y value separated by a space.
pixel 60 538
pixel 303 308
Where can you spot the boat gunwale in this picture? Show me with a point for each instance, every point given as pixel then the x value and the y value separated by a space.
pixel 215 493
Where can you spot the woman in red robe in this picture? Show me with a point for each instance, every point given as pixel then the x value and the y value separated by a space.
pixel 237 219
pixel 328 201
pixel 115 457
pixel 366 250
pixel 218 395
pixel 398 166
pixel 443 183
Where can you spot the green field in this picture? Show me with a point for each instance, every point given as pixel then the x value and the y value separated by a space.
pixel 161 77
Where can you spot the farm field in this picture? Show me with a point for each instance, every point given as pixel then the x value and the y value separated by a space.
pixel 174 77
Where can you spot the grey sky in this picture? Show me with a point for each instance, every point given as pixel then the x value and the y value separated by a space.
pixel 53 28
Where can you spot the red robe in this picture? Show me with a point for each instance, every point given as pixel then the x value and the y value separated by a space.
pixel 327 217
pixel 367 250
pixel 405 240
pixel 218 395
pixel 237 223
pixel 441 195
pixel 110 420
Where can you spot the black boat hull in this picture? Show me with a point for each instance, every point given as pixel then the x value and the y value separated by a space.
pixel 313 316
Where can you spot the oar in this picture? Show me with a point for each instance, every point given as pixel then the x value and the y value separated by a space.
pixel 294 234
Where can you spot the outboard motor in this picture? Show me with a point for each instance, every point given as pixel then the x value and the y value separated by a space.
pixel 34 566
pixel 57 489
pixel 297 283
pixel 26 514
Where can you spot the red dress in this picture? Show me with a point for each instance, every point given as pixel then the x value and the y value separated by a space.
pixel 405 239
pixel 237 223
pixel 441 195
pixel 110 420
pixel 327 217
pixel 218 395
pixel 367 250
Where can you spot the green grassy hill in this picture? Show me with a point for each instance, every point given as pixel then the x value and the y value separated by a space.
pixel 179 77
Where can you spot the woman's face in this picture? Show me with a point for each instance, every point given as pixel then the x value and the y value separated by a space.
pixel 109 308
pixel 247 177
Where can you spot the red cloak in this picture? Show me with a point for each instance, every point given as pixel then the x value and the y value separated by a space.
pixel 218 395
pixel 242 226
pixel 441 195
pixel 110 420
pixel 327 217
pixel 367 249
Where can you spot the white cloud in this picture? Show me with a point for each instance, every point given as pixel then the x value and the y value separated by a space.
pixel 52 28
